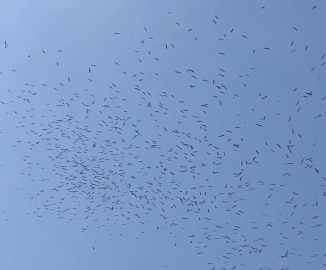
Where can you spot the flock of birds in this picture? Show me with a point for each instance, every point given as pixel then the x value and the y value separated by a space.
pixel 205 156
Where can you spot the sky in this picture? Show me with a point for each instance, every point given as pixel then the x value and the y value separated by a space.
pixel 162 135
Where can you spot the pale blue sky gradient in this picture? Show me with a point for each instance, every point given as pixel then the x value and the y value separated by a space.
pixel 167 110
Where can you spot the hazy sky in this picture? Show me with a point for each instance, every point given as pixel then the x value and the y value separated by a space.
pixel 162 135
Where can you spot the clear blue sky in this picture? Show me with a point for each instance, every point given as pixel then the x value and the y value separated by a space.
pixel 178 135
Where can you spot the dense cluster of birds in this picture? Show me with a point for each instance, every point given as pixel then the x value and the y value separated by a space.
pixel 206 155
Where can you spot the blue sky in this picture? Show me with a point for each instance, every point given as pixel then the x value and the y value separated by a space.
pixel 162 135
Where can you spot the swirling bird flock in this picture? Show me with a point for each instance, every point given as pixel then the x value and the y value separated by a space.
pixel 214 134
